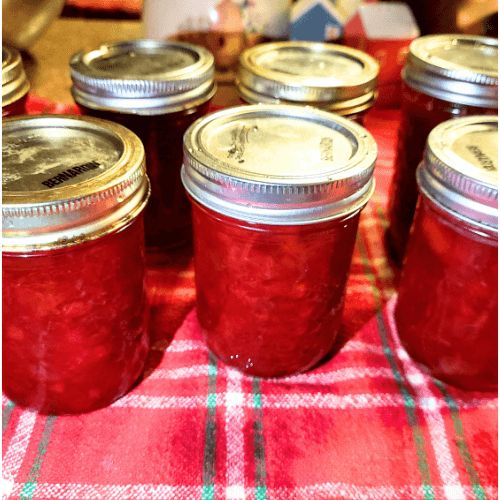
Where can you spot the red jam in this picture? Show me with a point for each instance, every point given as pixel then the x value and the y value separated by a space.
pixel 420 113
pixel 167 218
pixel 270 298
pixel 74 323
pixel 447 309
pixel 15 108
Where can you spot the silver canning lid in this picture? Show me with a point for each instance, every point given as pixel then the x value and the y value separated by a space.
pixel 334 77
pixel 145 77
pixel 68 179
pixel 460 169
pixel 15 83
pixel 279 164
pixel 461 69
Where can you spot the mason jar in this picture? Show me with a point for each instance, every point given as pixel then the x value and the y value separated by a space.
pixel 277 192
pixel 15 84
pixel 447 308
pixel 74 308
pixel 445 77
pixel 332 77
pixel 156 89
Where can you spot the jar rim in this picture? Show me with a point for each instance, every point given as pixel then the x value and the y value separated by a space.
pixel 457 68
pixel 147 76
pixel 304 72
pixel 279 164
pixel 15 83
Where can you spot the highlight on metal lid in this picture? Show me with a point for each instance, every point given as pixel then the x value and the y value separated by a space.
pixel 327 75
pixel 460 169
pixel 68 179
pixel 15 83
pixel 462 69
pixel 143 76
pixel 279 164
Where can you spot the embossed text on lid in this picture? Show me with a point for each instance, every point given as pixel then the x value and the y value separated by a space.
pixel 68 179
pixel 279 164
pixel 460 168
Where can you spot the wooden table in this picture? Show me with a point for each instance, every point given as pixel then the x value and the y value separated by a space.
pixel 47 62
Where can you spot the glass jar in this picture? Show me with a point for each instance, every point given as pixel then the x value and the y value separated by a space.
pixel 447 309
pixel 156 89
pixel 332 77
pixel 15 84
pixel 74 307
pixel 277 192
pixel 445 77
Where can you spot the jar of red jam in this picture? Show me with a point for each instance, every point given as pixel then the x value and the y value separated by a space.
pixel 156 89
pixel 15 84
pixel 447 309
pixel 445 77
pixel 74 308
pixel 332 77
pixel 277 192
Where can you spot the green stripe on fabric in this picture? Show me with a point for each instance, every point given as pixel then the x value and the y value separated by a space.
pixel 259 442
pixel 7 414
pixel 409 402
pixel 30 485
pixel 208 492
pixel 462 446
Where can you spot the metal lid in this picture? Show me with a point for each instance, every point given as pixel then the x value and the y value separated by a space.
pixel 460 169
pixel 339 78
pixel 279 164
pixel 68 179
pixel 145 77
pixel 462 69
pixel 15 83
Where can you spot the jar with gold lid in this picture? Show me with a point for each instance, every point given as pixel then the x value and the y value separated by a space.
pixel 74 307
pixel 332 77
pixel 15 84
pixel 156 89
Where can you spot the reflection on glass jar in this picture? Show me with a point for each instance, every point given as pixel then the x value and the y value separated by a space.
pixel 74 307
pixel 445 77
pixel 156 89
pixel 332 77
pixel 276 191
pixel 447 309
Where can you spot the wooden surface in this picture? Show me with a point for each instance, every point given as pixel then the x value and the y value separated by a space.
pixel 47 61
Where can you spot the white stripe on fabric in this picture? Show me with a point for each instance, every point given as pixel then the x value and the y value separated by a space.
pixel 284 401
pixel 16 450
pixel 186 345
pixel 235 449
pixel 336 376
pixel 453 490
pixel 180 373
pixel 323 491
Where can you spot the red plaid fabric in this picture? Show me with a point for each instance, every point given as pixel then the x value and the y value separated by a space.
pixel 366 424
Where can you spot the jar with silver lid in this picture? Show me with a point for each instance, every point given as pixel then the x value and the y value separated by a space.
pixel 333 77
pixel 447 309
pixel 277 192
pixel 74 308
pixel 156 89
pixel 15 84
pixel 445 77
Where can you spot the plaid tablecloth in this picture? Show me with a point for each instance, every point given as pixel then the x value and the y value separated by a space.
pixel 367 424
